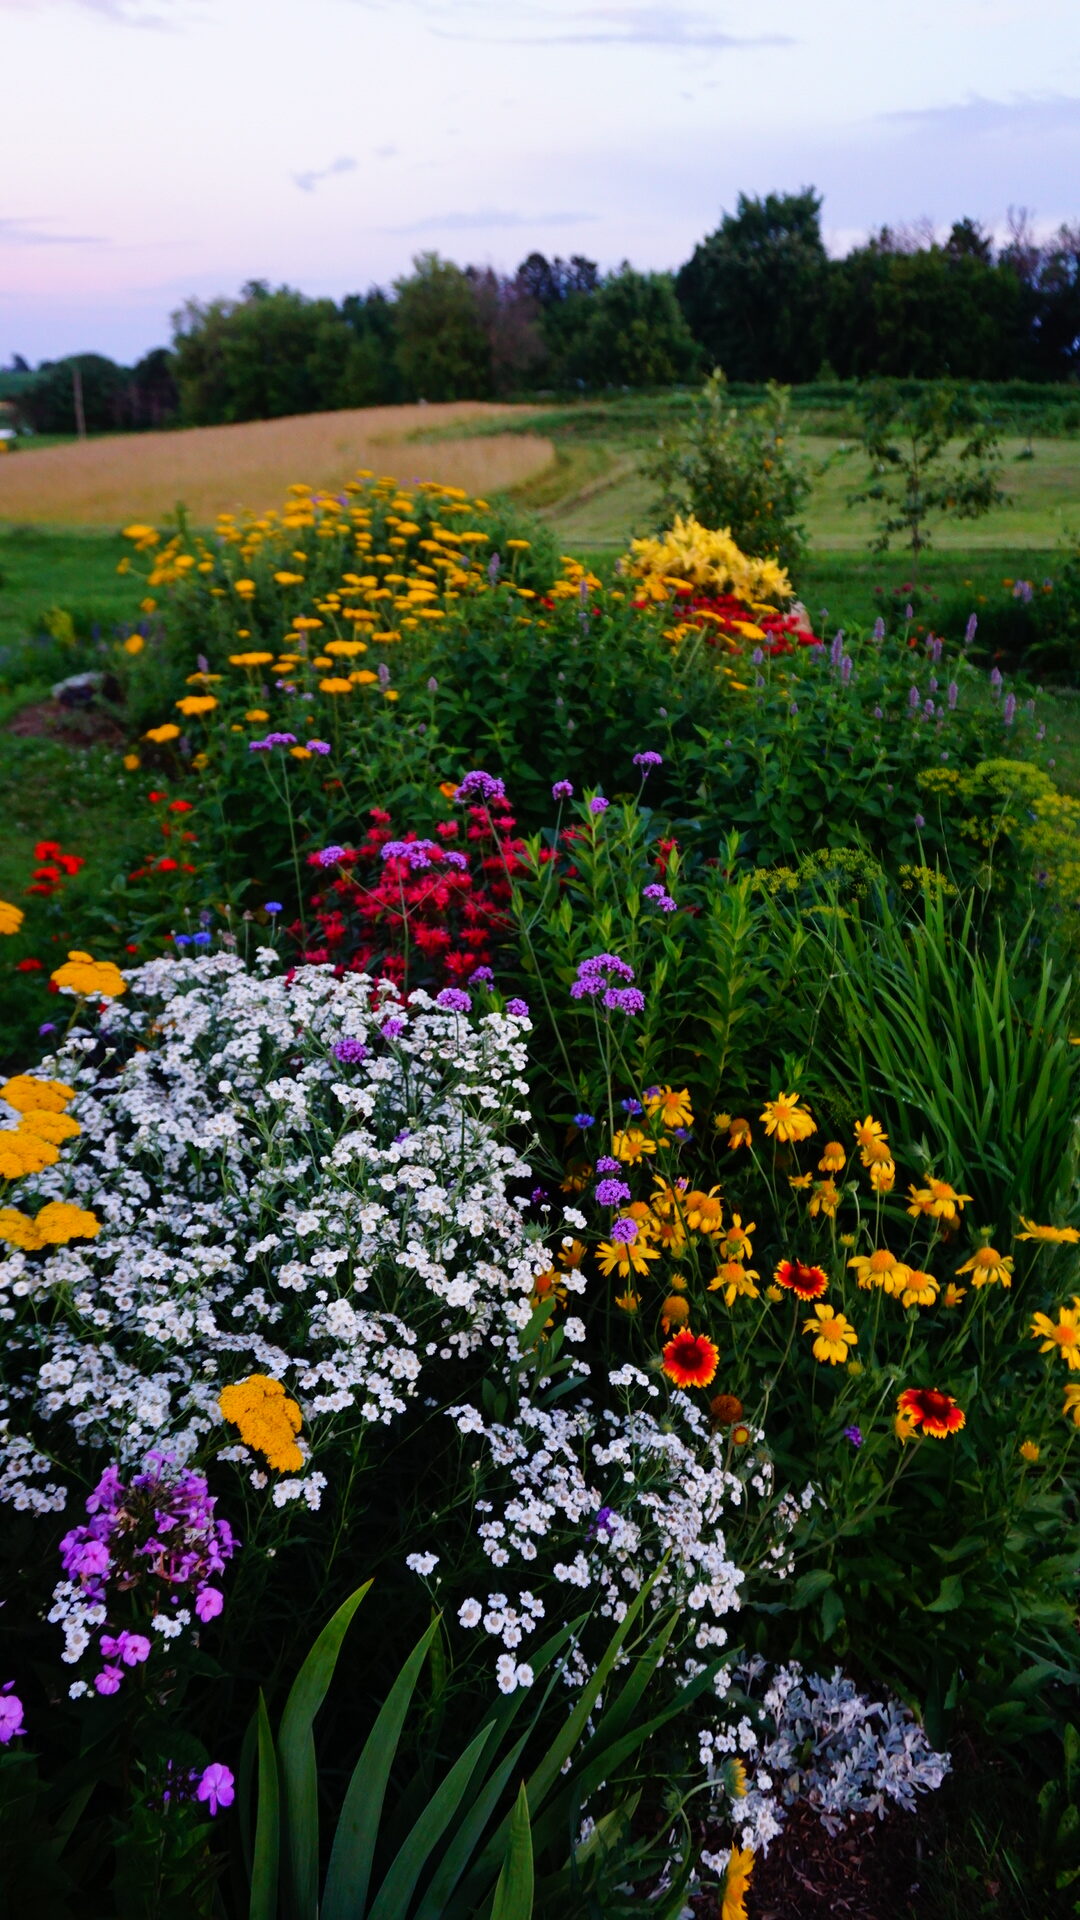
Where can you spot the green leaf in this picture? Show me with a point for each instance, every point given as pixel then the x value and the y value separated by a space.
pixel 950 1597
pixel 395 1894
pixel 809 1587
pixel 349 1874
pixel 514 1889
pixel 296 1746
pixel 267 1850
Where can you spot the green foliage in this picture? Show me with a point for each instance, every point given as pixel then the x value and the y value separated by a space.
pixel 754 291
pixel 915 475
pixel 630 332
pixel 442 351
pixel 731 467
pixel 266 354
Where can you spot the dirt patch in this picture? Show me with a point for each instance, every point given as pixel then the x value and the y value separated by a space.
pixel 870 1871
pixel 71 726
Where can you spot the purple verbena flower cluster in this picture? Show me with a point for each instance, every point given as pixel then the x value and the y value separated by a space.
pixel 481 784
pixel 594 982
pixel 660 897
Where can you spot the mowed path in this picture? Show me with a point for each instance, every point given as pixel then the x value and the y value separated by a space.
pixel 210 470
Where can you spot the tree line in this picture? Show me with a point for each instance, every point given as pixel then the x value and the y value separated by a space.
pixel 760 297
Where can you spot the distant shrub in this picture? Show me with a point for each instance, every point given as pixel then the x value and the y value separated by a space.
pixel 730 467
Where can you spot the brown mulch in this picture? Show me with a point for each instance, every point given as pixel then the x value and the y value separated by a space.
pixel 72 726
pixel 870 1871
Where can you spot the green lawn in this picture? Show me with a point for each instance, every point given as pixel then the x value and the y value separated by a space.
pixel 43 567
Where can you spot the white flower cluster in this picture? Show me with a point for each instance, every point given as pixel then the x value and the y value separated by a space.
pixel 603 1500
pixel 266 1205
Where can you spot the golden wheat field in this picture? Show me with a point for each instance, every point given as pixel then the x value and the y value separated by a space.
pixel 217 469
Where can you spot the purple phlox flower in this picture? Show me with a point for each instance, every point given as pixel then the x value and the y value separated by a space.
pixel 612 1193
pixel 482 785
pixel 391 1028
pixel 108 1493
pixel 328 857
pixel 646 761
pixel 11 1714
pixel 659 896
pixel 349 1051
pixel 599 805
pixel 624 1230
pixel 108 1680
pixel 131 1648
pixel 879 628
pixel 273 906
pixel 605 1164
pixel 563 790
pixel 919 821
pixel 995 681
pixel 585 1121
pixel 952 695
pixel 454 1000
pixel 836 651
pixel 482 977
pixel 630 1105
pixel 624 1000
pixel 518 1009
pixel 208 1603
pixel 318 746
pixel 913 699
pixel 596 973
pixel 845 669
pixel 854 1435
pixel 1008 712
pixel 416 853
pixel 216 1787
pixel 86 1558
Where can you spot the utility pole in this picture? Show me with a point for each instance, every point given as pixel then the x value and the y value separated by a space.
pixel 80 410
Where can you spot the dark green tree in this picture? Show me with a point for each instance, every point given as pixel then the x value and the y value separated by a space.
pixel 629 332
pixel 754 292
pixel 267 354
pixel 47 403
pixel 443 352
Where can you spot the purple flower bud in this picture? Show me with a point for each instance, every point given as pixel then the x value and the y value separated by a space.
pixel 878 714
pixel 995 682
pixel 913 699
pixel 493 568
pixel 953 695
pixel 647 761
pixel 919 822
pixel 879 628
pixel 432 685
pixel 909 612
pixel 482 977
pixel 384 674
pixel 1008 712
pixel 845 669
pixel 757 657
pixel 836 651
pixel 971 629
pixel 562 790
pixel 853 1435
pixel 318 746
pixel 606 1164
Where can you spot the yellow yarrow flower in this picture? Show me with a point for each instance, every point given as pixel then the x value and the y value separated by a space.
pixel 49 1126
pixel 28 1095
pixel 195 703
pixel 100 979
pixel 268 1420
pixel 159 735
pixel 56 1223
pixel 24 1153
pixel 11 917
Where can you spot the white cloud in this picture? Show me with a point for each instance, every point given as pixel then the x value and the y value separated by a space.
pixel 307 182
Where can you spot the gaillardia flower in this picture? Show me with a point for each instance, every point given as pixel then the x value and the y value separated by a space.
pixel 691 1359
pixel 806 1283
pixel 927 1410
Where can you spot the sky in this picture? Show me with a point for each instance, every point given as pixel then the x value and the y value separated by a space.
pixel 159 150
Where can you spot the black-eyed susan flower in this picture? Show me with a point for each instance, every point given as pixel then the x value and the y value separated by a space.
pixel 953 1295
pixel 881 1269
pixel 1061 1335
pixel 704 1212
pixel 930 1411
pixel 1029 1450
pixel 805 1282
pixel 737 1874
pixel 1052 1236
pixel 989 1268
pixel 631 1144
pixel 691 1359
pixel 834 1159
pixel 921 1289
pixel 734 1243
pixel 937 1200
pixel 670 1106
pixel 824 1199
pixel 1071 1404
pixel 833 1335
pixel 735 1282
pixel 787 1119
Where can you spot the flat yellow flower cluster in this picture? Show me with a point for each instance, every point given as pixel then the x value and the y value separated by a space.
pixel 268 1420
pixel 56 1224
pixel 1013 800
pixel 11 917
pixel 706 558
pixel 93 979
pixel 43 1124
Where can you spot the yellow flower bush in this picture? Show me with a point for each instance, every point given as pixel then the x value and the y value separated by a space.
pixel 11 917
pixel 89 977
pixel 56 1223
pixel 706 558
pixel 268 1420
pixel 28 1095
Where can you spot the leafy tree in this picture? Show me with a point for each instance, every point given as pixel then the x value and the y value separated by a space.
pixel 443 352
pixel 754 292
pixel 270 353
pixel 152 395
pixel 371 377
pixel 510 316
pixel 48 403
pixel 732 468
pixel 935 454
pixel 630 332
pixel 550 281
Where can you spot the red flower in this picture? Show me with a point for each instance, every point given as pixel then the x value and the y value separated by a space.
pixel 691 1359
pixel 806 1283
pixel 180 806
pixel 155 797
pixel 936 1413
pixel 167 866
pixel 29 966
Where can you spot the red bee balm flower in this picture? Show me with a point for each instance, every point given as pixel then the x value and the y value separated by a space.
pixel 936 1413
pixel 807 1283
pixel 691 1359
